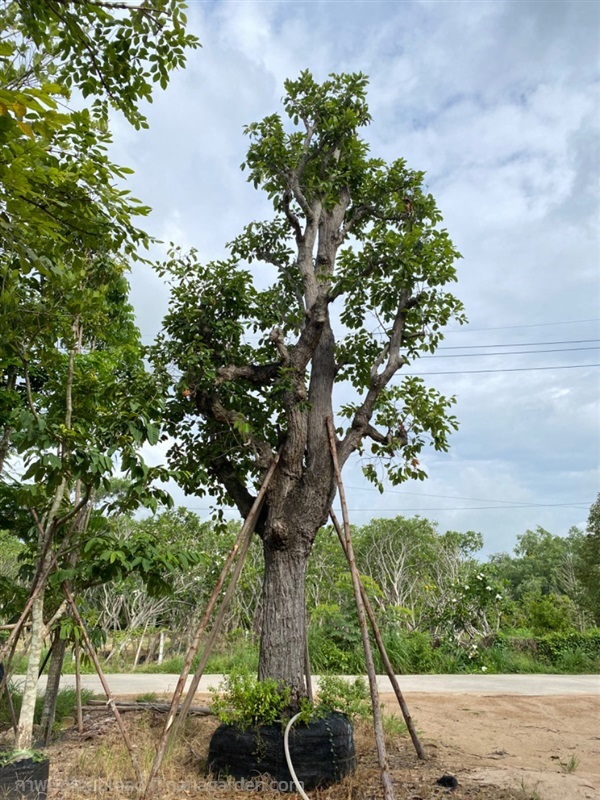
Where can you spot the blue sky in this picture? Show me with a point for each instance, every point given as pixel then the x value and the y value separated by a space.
pixel 498 103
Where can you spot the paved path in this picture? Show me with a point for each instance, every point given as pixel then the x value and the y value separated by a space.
pixel 140 683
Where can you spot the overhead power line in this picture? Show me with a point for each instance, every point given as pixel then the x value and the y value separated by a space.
pixel 418 508
pixel 460 497
pixel 508 369
pixel 515 344
pixel 470 508
pixel 509 353
pixel 468 329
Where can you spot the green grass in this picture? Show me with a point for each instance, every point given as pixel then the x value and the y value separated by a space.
pixel 332 652
pixel 570 765
pixel 66 704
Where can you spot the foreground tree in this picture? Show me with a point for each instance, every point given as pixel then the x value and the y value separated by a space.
pixel 83 399
pixel 357 267
pixel 74 393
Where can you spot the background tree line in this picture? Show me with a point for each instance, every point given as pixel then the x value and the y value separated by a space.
pixel 441 607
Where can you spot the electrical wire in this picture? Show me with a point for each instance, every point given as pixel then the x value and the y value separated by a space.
pixel 515 344
pixel 509 353
pixel 516 327
pixel 507 369
pixel 457 497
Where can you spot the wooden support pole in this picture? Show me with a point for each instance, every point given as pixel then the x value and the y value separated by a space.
pixel 386 778
pixel 240 547
pixel 11 708
pixel 384 656
pixel 107 692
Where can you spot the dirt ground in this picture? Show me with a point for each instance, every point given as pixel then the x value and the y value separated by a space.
pixel 547 746
pixel 497 747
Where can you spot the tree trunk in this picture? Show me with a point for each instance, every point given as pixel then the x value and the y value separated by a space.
pixel 284 615
pixel 25 727
pixel 52 685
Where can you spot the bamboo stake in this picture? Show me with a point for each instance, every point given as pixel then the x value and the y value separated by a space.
pixel 11 708
pixel 214 632
pixel 78 688
pixel 386 778
pixel 6 664
pixel 241 546
pixel 107 692
pixel 384 656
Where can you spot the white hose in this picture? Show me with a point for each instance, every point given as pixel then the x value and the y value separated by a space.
pixel 286 747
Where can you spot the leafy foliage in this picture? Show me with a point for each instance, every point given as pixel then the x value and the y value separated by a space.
pixel 248 355
pixel 349 697
pixel 588 569
pixel 58 198
pixel 246 702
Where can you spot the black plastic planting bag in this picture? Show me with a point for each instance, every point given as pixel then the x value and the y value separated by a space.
pixel 322 752
pixel 24 779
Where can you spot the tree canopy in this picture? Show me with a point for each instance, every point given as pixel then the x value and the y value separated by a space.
pixel 344 285
pixel 58 188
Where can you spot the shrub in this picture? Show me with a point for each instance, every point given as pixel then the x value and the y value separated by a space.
pixel 245 701
pixel 350 697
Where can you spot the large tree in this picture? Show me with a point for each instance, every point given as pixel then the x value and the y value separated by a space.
pixel 338 291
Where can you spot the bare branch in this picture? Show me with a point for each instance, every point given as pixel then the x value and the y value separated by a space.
pixel 379 380
pixel 376 436
pixel 291 217
pixel 276 336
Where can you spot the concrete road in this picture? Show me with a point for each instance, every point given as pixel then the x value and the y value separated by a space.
pixel 140 683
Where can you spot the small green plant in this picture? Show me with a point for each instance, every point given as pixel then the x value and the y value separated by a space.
pixel 245 701
pixel 13 756
pixel 570 765
pixel 393 726
pixel 527 793
pixel 147 697
pixel 339 694
pixel 66 704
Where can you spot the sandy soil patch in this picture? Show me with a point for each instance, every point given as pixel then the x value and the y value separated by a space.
pixel 549 746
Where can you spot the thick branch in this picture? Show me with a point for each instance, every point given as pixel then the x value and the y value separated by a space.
pixel 291 217
pixel 294 176
pixel 311 334
pixel 224 471
pixel 276 336
pixel 375 435
pixel 257 374
pixel 379 380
